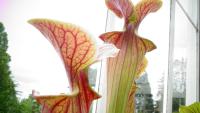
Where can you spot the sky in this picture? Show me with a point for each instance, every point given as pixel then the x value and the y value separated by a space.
pixel 34 62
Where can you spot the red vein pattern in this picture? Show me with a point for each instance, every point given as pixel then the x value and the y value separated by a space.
pixel 122 8
pixel 145 7
pixel 77 51
pixel 124 69
pixel 111 37
pixel 78 102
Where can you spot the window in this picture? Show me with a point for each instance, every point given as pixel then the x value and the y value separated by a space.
pixel 183 78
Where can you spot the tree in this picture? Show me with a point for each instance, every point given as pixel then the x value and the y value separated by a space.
pixel 29 105
pixel 8 98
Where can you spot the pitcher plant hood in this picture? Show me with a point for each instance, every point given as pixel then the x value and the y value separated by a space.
pixel 77 50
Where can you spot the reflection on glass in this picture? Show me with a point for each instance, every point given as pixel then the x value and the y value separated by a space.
pixel 179 84
pixel 184 57
pixel 145 103
pixel 92 76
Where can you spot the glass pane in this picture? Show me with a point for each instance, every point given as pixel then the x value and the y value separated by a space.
pixel 184 70
pixel 190 6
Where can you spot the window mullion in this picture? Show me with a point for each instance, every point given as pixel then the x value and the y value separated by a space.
pixel 168 90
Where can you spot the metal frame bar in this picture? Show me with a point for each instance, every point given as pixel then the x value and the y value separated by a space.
pixel 187 15
pixel 169 89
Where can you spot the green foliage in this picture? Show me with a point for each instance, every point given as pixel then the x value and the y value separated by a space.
pixel 194 108
pixel 29 105
pixel 8 99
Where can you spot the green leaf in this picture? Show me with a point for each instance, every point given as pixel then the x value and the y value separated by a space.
pixel 194 108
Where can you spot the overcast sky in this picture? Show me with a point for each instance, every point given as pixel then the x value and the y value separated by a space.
pixel 36 65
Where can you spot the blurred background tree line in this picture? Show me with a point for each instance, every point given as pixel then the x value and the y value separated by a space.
pixel 9 103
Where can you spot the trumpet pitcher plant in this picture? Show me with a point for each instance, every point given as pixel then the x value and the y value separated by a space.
pixel 130 61
pixel 125 51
